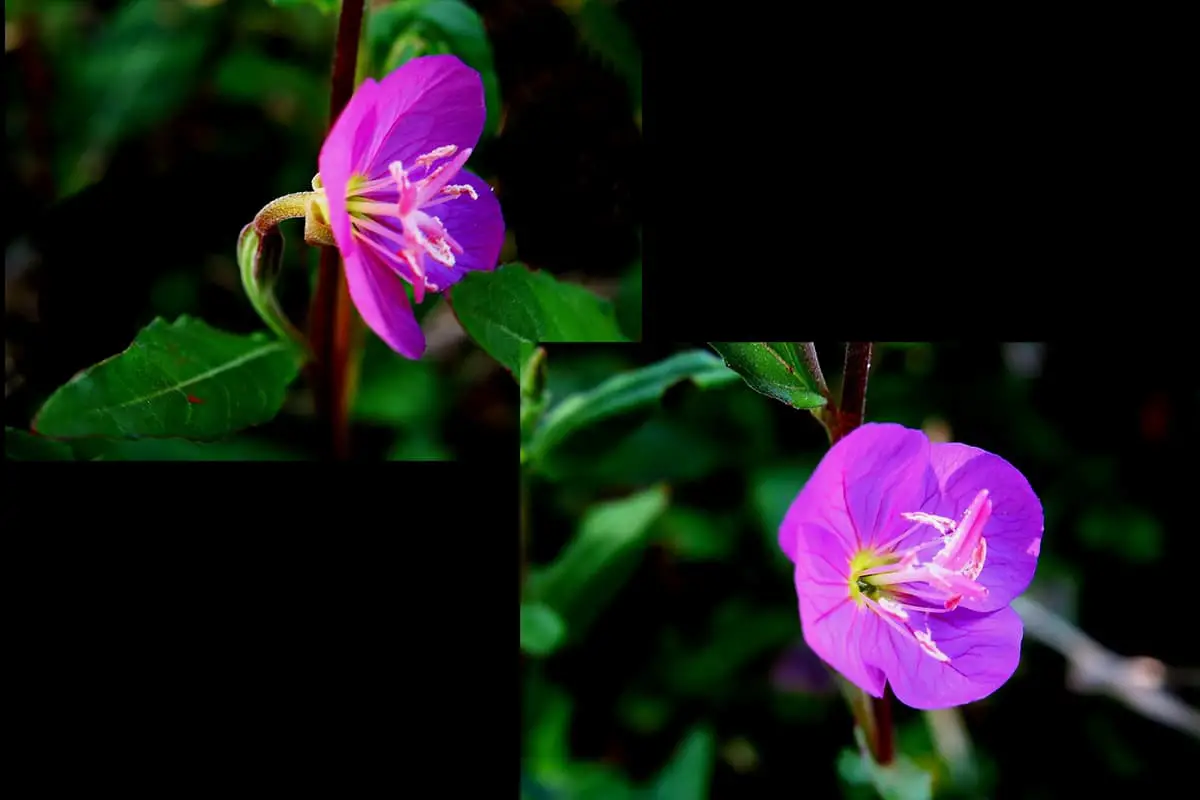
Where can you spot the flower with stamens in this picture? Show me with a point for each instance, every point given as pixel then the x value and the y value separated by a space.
pixel 907 554
pixel 396 198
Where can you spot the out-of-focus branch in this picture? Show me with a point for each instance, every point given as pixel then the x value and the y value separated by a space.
pixel 1139 682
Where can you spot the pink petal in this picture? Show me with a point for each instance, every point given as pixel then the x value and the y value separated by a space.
pixel 379 295
pixel 836 629
pixel 424 104
pixel 477 225
pixel 1016 519
pixel 863 485
pixel 983 651
pixel 344 152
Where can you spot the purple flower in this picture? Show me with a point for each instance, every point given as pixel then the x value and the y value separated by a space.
pixel 907 556
pixel 399 204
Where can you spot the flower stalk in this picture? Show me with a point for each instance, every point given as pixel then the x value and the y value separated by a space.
pixel 873 714
pixel 331 315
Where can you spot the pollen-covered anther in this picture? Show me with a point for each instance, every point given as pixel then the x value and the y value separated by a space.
pixel 454 190
pixel 925 640
pixel 436 154
pixel 974 564
pixel 944 525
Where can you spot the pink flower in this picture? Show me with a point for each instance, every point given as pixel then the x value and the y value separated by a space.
pixel 398 202
pixel 907 556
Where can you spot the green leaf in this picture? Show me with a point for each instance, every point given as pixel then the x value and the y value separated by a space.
pixel 510 311
pixel 407 29
pixel 775 369
pixel 22 446
pixel 611 536
pixel 181 379
pixel 625 392
pixel 542 629
pixel 688 775
pixel 324 6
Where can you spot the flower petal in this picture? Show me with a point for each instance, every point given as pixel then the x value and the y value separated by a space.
pixel 379 295
pixel 426 103
pixel 863 485
pixel 344 152
pixel 983 652
pixel 477 225
pixel 1015 524
pixel 836 629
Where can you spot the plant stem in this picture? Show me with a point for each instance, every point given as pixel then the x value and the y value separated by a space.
pixel 848 417
pixel 854 387
pixel 332 314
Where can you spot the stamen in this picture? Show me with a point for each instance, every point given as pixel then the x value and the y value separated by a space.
pixel 944 525
pixel 436 154
pixel 372 207
pixel 375 185
pixel 910 592
pixel 925 639
pixel 938 609
pixel 975 562
pixel 892 544
pixel 892 607
pixel 453 190
pixel 419 234
pixel 961 544
pixel 885 616
pixel 954 582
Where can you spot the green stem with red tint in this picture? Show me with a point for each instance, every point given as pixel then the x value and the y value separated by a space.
pixel 332 317
pixel 873 714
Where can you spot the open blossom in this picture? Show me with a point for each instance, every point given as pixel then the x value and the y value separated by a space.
pixel 396 198
pixel 907 556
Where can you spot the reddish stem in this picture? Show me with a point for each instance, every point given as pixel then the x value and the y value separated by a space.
pixel 854 387
pixel 332 316
pixel 848 417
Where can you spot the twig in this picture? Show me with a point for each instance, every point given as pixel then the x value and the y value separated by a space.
pixel 1139 682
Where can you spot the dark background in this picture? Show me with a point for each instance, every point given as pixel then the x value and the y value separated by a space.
pixel 704 630
pixel 142 136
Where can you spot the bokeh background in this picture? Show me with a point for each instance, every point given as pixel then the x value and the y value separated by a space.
pixel 683 671
pixel 142 135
